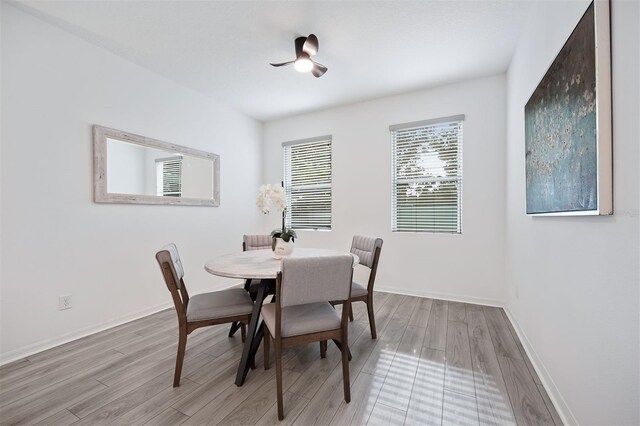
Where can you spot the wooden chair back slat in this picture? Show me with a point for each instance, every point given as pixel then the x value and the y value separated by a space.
pixel 175 285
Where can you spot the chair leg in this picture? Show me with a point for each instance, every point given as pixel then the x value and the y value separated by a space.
pixel 345 369
pixel 372 318
pixel 267 341
pixel 182 345
pixel 243 331
pixel 279 379
pixel 351 315
pixel 323 349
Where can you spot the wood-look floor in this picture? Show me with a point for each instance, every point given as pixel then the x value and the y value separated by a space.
pixel 434 362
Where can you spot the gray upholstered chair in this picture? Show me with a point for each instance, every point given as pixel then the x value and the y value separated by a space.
pixel 200 310
pixel 256 242
pixel 368 250
pixel 302 313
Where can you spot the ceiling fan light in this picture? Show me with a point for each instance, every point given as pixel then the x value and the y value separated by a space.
pixel 303 64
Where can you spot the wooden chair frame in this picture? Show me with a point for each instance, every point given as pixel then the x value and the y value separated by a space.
pixel 181 301
pixel 340 336
pixel 368 298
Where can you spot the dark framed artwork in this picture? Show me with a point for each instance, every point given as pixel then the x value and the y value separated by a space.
pixel 568 139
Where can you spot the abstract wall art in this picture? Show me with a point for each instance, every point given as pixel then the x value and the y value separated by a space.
pixel 568 139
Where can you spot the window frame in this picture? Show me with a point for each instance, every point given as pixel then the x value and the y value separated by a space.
pixel 457 179
pixel 288 187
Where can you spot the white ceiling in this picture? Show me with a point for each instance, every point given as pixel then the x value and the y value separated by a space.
pixel 372 49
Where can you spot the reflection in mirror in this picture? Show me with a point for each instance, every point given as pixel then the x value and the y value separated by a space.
pixel 135 169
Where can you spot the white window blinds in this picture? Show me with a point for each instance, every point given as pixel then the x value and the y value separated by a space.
pixel 307 183
pixel 169 177
pixel 427 176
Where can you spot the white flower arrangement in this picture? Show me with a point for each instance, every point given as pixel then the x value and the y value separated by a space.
pixel 272 196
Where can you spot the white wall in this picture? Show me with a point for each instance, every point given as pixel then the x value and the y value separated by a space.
pixel 55 240
pixel 467 266
pixel 573 281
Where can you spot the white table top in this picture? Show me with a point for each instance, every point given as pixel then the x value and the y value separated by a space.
pixel 260 264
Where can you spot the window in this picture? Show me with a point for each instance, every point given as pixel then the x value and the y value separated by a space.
pixel 169 177
pixel 307 183
pixel 427 176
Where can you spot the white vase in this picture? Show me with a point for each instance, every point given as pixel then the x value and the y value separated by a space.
pixel 283 248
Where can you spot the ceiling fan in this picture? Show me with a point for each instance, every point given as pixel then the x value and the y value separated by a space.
pixel 306 47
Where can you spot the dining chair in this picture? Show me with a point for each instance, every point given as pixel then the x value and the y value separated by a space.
pixel 302 313
pixel 252 242
pixel 200 310
pixel 255 242
pixel 368 250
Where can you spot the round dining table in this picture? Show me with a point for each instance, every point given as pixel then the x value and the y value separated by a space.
pixel 258 265
pixel 261 264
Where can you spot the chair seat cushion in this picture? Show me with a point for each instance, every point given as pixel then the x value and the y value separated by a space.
pixel 358 290
pixel 302 319
pixel 219 304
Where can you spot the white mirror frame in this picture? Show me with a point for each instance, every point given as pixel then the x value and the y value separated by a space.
pixel 100 135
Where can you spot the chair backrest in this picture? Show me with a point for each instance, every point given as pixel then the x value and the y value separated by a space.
pixel 174 258
pixel 173 273
pixel 256 242
pixel 365 248
pixel 315 279
pixel 368 250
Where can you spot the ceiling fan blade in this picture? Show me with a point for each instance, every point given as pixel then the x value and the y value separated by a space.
pixel 310 46
pixel 281 64
pixel 318 70
pixel 299 43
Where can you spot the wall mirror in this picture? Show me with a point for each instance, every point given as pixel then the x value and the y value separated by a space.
pixel 135 169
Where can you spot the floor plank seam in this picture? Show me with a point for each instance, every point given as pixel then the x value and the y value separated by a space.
pixel 545 404
pixel 99 381
pixel 381 334
pixel 475 390
pixel 377 401
pixel 493 344
pixel 444 378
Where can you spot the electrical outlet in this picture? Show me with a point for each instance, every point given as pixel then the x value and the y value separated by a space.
pixel 64 302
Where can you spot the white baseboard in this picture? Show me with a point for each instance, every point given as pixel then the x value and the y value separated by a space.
pixel 43 345
pixel 442 296
pixel 552 390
